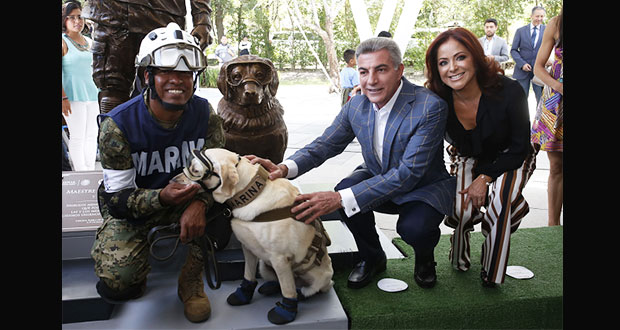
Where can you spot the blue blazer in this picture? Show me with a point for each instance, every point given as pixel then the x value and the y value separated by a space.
pixel 413 168
pixel 522 51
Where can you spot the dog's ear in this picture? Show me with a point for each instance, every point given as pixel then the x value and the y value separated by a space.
pixel 222 83
pixel 273 86
pixel 230 178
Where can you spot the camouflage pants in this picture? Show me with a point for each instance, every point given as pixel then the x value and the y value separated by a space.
pixel 121 249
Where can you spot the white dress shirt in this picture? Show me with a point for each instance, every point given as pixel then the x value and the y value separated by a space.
pixel 381 116
pixel 488 45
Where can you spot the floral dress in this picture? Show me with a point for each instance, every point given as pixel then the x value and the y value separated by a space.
pixel 547 129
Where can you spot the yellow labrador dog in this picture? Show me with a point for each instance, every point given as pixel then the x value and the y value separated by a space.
pixel 289 250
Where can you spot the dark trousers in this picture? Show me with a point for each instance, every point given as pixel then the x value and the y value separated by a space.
pixel 418 223
pixel 525 84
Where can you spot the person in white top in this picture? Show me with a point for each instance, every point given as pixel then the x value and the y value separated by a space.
pixel 494 47
pixel 79 92
pixel 244 46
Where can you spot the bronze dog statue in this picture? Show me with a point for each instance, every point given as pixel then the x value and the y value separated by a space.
pixel 253 121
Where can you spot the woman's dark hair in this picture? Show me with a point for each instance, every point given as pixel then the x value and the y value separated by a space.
pixel 491 20
pixel 67 8
pixel 486 70
pixel 560 26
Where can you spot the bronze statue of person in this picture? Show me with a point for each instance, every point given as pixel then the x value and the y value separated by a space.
pixel 120 26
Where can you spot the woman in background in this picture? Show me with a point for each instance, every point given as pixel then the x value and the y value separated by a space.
pixel 547 129
pixel 79 93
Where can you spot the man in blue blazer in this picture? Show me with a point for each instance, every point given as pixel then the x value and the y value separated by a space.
pixel 400 128
pixel 525 46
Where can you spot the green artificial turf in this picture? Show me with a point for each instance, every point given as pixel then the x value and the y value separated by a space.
pixel 458 300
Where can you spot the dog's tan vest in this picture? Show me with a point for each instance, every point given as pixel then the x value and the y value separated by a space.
pixel 321 240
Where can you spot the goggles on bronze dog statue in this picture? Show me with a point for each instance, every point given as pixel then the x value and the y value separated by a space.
pixel 261 78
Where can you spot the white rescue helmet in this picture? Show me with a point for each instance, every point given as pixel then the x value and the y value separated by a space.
pixel 165 47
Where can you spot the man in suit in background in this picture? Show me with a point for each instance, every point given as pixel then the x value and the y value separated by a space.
pixel 400 128
pixel 494 47
pixel 525 46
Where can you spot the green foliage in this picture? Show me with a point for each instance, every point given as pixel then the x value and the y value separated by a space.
pixel 259 19
pixel 208 77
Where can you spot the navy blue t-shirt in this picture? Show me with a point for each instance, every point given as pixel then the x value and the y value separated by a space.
pixel 158 153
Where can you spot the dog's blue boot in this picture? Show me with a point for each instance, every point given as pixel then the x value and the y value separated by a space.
pixel 284 312
pixel 243 295
pixel 300 296
pixel 269 288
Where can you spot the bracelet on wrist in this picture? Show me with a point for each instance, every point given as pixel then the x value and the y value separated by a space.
pixel 488 183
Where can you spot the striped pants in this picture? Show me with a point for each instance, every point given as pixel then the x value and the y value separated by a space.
pixel 505 207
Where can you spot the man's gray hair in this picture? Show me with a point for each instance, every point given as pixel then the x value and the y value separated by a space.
pixel 372 45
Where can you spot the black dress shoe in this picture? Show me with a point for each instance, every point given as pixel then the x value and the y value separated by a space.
pixel 363 272
pixel 424 273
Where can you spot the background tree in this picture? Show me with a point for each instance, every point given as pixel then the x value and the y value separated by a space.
pixel 325 29
pixel 330 28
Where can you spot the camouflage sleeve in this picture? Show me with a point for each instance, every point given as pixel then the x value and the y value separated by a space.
pixel 132 204
pixel 214 138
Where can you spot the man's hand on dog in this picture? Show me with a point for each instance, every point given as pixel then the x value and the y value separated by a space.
pixel 313 205
pixel 316 204
pixel 275 171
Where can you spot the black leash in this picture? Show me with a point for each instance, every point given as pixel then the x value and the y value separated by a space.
pixel 207 246
pixel 171 231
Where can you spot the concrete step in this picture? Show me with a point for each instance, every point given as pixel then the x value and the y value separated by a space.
pixel 159 308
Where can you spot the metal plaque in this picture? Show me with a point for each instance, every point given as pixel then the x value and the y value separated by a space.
pixel 80 210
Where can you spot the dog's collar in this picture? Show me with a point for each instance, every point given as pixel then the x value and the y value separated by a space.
pixel 251 191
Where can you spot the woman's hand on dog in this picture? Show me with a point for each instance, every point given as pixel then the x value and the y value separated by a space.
pixel 316 204
pixel 275 171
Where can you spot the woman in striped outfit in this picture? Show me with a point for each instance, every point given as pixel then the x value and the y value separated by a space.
pixel 490 151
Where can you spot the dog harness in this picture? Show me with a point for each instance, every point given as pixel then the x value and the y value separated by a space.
pixel 321 240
